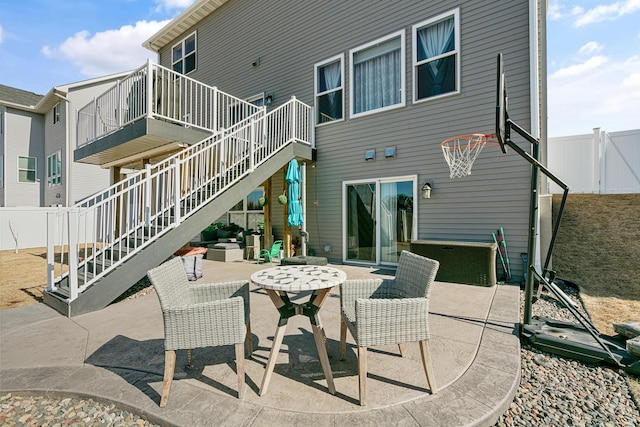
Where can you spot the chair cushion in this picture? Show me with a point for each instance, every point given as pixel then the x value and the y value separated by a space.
pixel 226 246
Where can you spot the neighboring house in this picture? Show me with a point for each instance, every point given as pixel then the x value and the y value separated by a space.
pixel 37 139
pixel 387 80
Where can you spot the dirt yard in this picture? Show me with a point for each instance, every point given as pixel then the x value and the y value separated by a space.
pixel 598 249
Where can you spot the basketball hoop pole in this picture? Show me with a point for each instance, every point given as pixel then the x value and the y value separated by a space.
pixel 533 212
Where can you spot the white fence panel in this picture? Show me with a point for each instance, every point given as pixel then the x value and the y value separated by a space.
pixel 598 163
pixel 29 224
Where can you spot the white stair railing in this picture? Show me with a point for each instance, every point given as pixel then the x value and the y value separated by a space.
pixel 153 91
pixel 98 234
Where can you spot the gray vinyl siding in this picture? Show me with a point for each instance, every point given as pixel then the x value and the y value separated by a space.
pixel 289 37
pixel 55 139
pixel 23 137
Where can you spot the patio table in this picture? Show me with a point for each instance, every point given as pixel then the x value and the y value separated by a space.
pixel 278 281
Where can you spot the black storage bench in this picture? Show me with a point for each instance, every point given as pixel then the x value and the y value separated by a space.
pixel 469 263
pixel 304 260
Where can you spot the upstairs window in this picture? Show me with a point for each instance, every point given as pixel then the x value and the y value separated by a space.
pixel 183 55
pixel 56 113
pixel 377 75
pixel 329 77
pixel 54 169
pixel 436 56
pixel 27 169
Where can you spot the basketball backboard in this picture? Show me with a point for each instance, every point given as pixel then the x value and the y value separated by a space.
pixel 502 128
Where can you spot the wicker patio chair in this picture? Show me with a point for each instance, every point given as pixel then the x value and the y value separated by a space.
pixel 389 311
pixel 200 315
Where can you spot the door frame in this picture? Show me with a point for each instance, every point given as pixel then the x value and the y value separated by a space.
pixel 378 181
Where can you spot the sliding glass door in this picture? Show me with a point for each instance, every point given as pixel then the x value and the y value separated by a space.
pixel 379 219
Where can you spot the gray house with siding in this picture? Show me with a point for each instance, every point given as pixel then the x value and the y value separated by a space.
pixel 385 82
pixel 37 140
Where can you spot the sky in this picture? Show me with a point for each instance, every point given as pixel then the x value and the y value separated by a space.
pixel 593 52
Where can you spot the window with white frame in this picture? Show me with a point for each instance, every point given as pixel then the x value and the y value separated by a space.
pixel 183 55
pixel 377 75
pixel 56 113
pixel 54 169
pixel 27 169
pixel 329 78
pixel 436 56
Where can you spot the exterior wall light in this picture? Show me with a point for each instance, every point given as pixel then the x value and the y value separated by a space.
pixel 268 100
pixel 426 191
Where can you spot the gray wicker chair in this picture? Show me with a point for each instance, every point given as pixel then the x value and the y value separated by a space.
pixel 389 311
pixel 200 315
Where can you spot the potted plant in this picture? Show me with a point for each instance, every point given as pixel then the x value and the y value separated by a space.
pixel 210 232
pixel 282 199
pixel 262 201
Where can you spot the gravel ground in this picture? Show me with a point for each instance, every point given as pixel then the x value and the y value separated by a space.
pixel 553 392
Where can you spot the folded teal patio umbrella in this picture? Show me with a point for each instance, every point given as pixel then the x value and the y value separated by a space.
pixel 295 215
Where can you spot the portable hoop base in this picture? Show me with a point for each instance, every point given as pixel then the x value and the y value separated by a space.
pixel 461 151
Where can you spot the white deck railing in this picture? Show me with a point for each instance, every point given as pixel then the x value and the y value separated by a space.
pixel 153 91
pixel 101 232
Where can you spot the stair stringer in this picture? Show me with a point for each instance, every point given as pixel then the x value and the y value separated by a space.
pixel 122 278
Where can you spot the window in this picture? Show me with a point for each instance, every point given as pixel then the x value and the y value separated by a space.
pixel 27 169
pixel 248 213
pixel 184 55
pixel 436 57
pixel 377 75
pixel 257 100
pixel 54 169
pixel 329 77
pixel 56 113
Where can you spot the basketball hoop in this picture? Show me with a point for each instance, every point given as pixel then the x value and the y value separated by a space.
pixel 461 151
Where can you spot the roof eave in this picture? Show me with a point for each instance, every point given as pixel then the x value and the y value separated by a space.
pixel 187 19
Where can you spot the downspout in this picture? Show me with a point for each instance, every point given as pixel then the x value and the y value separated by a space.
pixel 68 149
pixel 538 100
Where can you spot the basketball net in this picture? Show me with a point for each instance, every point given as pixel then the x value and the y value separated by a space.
pixel 461 151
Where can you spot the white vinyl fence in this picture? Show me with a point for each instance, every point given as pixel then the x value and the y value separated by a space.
pixel 598 163
pixel 27 224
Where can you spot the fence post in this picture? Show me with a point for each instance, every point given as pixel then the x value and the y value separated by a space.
pixel 95 119
pixel 294 117
pixel 147 195
pixel 176 192
pixel 149 91
pixel 73 254
pixel 214 110
pixel 312 127
pixel 51 242
pixel 118 104
pixel 252 145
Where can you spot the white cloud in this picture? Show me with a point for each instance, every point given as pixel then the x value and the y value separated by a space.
pixel 107 52
pixel 578 70
pixel 607 12
pixel 589 48
pixel 595 93
pixel 173 4
pixel 556 11
pixel 1 34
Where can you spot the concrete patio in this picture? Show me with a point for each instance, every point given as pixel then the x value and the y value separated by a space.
pixel 117 355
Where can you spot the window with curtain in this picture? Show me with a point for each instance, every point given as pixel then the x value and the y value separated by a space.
pixel 27 169
pixel 183 55
pixel 328 90
pixel 377 75
pixel 436 56
pixel 54 169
